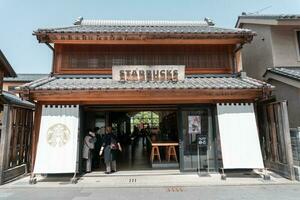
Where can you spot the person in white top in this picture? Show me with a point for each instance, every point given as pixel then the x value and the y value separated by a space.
pixel 88 146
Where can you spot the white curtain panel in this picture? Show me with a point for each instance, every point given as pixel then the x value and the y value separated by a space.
pixel 57 145
pixel 239 137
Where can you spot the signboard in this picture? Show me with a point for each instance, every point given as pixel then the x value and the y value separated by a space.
pixel 148 72
pixel 57 148
pixel 202 140
pixel 239 136
pixel 194 124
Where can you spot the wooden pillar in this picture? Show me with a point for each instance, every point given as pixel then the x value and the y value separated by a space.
pixel 5 141
pixel 287 139
pixel 35 134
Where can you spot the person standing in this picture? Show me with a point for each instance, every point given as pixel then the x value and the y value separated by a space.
pixel 88 146
pixel 110 146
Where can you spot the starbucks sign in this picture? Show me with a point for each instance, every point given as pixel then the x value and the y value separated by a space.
pixel 148 73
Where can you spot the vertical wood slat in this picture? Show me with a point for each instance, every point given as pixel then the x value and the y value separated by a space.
pixel 22 117
pixel 29 140
pixel 281 133
pixel 267 133
pixel 104 56
pixel 272 132
pixel 287 138
pixel 5 141
pixel 14 140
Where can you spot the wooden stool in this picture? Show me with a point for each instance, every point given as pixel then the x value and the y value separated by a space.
pixel 171 151
pixel 155 152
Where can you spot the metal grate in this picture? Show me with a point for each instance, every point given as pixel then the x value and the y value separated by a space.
pixel 175 189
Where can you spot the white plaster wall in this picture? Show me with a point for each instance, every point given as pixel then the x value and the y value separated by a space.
pixel 257 56
pixel 284 46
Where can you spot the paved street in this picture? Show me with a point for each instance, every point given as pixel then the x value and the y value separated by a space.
pixel 274 192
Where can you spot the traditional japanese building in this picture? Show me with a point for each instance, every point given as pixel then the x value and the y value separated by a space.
pixel 16 127
pixel 182 80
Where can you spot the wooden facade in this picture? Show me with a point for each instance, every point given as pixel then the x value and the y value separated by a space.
pixel 99 59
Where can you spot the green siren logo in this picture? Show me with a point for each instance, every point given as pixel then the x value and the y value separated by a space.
pixel 58 135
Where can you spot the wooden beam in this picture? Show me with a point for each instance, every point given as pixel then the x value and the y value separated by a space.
pixel 153 41
pixel 188 71
pixel 144 96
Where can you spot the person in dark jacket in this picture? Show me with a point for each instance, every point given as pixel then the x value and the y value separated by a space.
pixel 110 146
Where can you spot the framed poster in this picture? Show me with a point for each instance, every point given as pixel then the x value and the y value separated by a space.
pixel 194 124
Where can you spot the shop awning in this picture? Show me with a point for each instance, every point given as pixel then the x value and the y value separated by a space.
pixel 57 149
pixel 239 137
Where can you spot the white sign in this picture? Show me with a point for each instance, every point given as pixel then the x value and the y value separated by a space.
pixel 57 145
pixel 148 73
pixel 239 137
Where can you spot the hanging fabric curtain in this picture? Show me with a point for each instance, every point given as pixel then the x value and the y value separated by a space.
pixel 239 136
pixel 57 147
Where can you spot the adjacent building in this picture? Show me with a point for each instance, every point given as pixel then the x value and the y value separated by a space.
pixel 274 55
pixel 9 83
pixel 16 123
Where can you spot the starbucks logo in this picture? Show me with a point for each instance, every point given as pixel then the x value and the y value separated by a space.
pixel 58 135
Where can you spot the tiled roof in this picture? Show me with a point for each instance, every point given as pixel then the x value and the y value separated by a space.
pixel 25 77
pixel 102 83
pixel 135 26
pixel 276 17
pixel 6 67
pixel 15 100
pixel 289 72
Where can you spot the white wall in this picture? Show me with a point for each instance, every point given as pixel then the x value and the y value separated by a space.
pixel 257 56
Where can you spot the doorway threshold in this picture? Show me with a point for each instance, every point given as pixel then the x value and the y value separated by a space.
pixel 134 173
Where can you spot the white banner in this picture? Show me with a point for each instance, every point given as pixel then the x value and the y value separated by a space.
pixel 239 136
pixel 57 145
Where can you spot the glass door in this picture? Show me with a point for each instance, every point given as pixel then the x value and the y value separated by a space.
pixel 197 140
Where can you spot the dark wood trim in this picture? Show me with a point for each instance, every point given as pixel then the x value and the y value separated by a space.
pixel 188 71
pixel 153 96
pixel 153 41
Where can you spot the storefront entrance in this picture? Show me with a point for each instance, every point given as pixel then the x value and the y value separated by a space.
pixel 149 137
pixel 155 138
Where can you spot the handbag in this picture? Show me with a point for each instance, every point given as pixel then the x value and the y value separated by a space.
pixel 114 146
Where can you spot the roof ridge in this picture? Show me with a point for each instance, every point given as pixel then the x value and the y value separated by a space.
pixel 100 22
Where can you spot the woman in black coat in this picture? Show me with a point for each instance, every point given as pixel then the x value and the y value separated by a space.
pixel 110 146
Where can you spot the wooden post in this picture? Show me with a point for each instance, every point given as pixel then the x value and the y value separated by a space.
pixel 5 141
pixel 35 136
pixel 287 139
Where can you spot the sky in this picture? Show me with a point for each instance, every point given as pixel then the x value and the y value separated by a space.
pixel 19 18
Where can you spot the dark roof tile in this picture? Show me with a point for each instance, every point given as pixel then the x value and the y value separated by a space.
pixel 289 72
pixel 100 83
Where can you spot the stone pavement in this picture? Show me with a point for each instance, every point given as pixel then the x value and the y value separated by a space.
pixel 254 192
pixel 144 179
